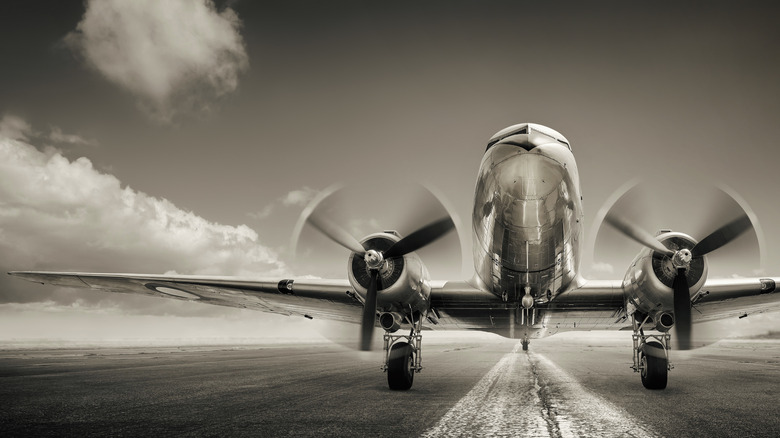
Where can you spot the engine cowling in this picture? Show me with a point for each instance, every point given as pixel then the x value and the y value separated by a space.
pixel 648 282
pixel 404 284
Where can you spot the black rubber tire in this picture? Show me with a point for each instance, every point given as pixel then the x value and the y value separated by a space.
pixel 400 374
pixel 655 370
pixel 525 345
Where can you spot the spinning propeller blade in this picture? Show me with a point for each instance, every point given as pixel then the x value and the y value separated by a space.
pixel 680 288
pixel 369 312
pixel 636 233
pixel 335 233
pixel 722 236
pixel 682 309
pixel 420 238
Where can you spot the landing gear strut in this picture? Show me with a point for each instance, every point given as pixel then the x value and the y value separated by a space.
pixel 651 355
pixel 403 357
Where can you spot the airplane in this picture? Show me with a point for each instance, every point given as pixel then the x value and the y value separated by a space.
pixel 527 229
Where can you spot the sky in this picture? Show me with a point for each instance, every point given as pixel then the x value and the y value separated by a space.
pixel 188 136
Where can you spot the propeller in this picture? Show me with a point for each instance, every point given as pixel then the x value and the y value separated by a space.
pixel 335 233
pixel 420 238
pixel 722 236
pixel 681 261
pixel 369 312
pixel 682 309
pixel 636 233
pixel 375 260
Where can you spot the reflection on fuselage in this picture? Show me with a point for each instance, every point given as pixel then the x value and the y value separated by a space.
pixel 527 214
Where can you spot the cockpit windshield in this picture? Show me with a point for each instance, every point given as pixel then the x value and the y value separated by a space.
pixel 523 129
pixel 530 129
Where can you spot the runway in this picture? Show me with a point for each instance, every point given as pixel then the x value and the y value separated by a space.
pixel 477 387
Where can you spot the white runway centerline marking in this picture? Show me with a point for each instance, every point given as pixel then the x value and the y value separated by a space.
pixel 525 394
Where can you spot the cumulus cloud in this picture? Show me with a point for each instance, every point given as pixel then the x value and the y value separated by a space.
pixel 65 215
pixel 175 55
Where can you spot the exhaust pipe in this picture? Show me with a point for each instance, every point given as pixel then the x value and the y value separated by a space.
pixel 664 321
pixel 391 321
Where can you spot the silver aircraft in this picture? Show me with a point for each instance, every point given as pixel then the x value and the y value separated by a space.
pixel 527 243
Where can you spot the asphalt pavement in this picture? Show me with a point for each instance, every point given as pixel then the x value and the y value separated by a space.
pixel 477 386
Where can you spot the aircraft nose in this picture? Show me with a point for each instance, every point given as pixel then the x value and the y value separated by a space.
pixel 529 175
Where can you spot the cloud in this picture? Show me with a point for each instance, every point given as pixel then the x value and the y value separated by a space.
pixel 295 198
pixel 14 127
pixel 65 215
pixel 56 135
pixel 262 214
pixel 174 55
pixel 299 197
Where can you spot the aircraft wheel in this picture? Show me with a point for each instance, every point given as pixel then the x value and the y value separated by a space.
pixel 400 372
pixel 525 345
pixel 654 368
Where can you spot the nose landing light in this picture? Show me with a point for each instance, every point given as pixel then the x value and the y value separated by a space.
pixel 528 300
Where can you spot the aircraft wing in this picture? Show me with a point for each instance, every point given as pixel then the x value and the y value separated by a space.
pixel 458 305
pixel 735 297
pixel 717 299
pixel 310 298
pixel 327 299
pixel 598 305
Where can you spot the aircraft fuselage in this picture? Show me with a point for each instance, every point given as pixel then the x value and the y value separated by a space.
pixel 527 218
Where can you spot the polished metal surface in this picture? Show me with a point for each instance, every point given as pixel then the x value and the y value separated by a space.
pixel 648 281
pixel 527 215
pixel 404 281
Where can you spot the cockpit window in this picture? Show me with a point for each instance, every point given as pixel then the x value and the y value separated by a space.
pixel 532 130
pixel 523 130
pixel 547 134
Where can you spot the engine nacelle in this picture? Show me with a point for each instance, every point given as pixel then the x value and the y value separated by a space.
pixel 648 282
pixel 404 282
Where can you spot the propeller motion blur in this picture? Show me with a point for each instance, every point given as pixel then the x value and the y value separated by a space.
pixel 527 237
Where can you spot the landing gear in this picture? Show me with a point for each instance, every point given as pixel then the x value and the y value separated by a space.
pixel 403 357
pixel 526 341
pixel 651 356
pixel 400 366
pixel 654 369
